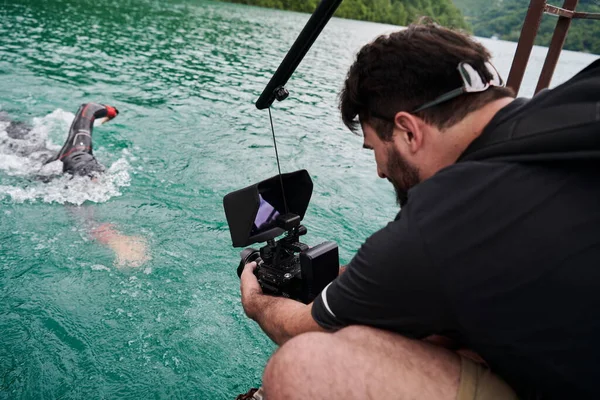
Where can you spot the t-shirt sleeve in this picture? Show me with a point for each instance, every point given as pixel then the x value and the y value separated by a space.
pixel 389 284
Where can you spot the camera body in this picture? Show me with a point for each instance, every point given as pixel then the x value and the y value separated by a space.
pixel 264 211
pixel 289 268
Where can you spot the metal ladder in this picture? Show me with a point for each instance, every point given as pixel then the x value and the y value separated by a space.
pixel 531 25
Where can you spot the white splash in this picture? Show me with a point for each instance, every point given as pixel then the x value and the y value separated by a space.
pixel 99 267
pixel 23 159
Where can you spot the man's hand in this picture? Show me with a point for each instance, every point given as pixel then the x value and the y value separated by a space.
pixel 250 291
pixel 281 318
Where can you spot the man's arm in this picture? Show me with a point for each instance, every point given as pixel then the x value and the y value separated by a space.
pixel 280 318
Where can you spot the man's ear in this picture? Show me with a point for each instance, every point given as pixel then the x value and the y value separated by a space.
pixel 410 130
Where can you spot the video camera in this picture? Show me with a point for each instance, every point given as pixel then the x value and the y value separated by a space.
pixel 264 211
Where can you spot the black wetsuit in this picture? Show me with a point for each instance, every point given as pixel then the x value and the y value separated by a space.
pixel 77 154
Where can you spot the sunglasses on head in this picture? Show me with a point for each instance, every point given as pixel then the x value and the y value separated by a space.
pixel 472 83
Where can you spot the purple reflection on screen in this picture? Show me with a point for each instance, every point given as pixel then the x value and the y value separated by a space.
pixel 265 216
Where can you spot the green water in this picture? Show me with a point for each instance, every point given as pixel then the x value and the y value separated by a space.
pixel 184 75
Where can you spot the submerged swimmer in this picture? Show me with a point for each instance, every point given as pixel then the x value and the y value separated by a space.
pixel 78 159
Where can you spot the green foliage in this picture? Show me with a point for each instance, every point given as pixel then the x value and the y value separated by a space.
pixel 504 19
pixel 398 12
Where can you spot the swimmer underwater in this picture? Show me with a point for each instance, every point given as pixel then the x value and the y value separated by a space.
pixel 76 154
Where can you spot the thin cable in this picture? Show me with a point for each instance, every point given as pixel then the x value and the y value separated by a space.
pixel 278 166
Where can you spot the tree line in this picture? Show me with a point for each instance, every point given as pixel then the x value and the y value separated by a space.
pixel 396 12
pixel 494 18
pixel 504 19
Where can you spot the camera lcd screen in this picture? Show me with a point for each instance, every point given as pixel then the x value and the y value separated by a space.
pixel 254 212
pixel 265 217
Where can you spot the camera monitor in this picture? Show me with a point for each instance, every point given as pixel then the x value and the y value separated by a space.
pixel 266 217
pixel 253 212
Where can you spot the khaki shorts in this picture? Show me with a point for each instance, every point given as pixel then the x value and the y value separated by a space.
pixel 477 382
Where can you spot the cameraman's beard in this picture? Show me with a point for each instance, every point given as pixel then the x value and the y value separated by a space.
pixel 401 174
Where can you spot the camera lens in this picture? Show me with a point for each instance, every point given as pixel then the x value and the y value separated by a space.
pixel 250 256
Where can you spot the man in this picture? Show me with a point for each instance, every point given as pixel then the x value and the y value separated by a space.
pixel 496 249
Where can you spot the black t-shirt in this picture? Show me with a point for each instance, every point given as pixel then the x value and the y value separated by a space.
pixel 502 257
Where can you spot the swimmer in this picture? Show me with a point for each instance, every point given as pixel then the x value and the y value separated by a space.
pixel 76 154
pixel 78 159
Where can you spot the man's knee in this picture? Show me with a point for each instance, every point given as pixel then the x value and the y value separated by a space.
pixel 308 352
pixel 296 353
pixel 360 362
pixel 296 359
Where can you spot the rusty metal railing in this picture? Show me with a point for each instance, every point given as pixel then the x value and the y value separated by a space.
pixel 531 25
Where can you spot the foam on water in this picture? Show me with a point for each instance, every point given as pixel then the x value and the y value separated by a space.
pixel 24 159
pixel 99 267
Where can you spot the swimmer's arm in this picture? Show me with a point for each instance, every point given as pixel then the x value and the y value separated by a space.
pixel 131 251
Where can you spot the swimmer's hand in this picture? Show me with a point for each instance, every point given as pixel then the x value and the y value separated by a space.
pixel 111 112
pixel 131 251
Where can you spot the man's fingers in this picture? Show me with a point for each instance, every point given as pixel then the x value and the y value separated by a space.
pixel 248 277
pixel 250 267
pixel 248 270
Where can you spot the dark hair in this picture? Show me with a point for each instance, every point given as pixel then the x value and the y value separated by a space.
pixel 403 70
